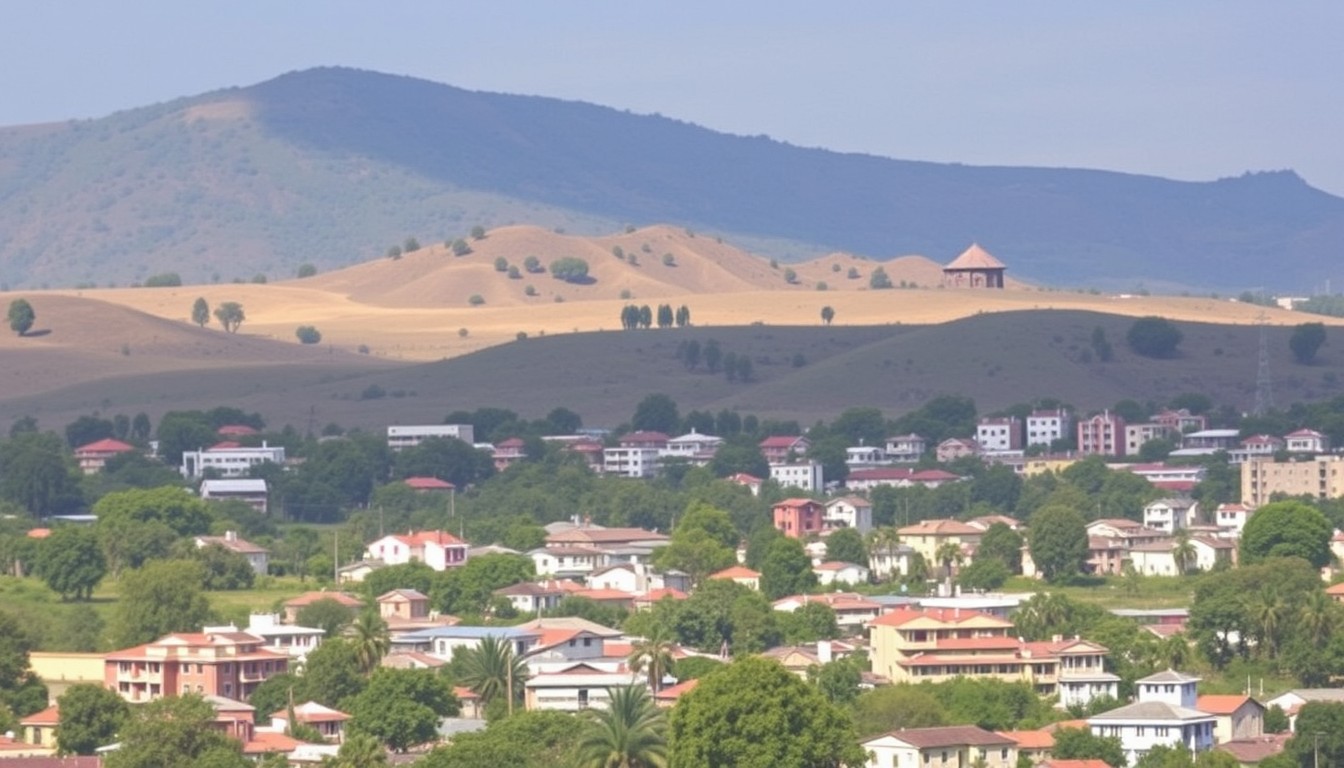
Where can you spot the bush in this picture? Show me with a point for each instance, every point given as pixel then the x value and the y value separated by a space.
pixel 460 247
pixel 476 300
pixel 1154 337
pixel 532 264
pixel 618 252
pixel 669 260
pixel 530 291
pixel 394 252
pixel 879 280
pixel 307 334
pixel 478 232
pixel 570 269
pixel 411 245
pixel 501 264
pixel 514 274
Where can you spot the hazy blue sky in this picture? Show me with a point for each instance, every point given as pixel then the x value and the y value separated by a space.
pixel 1196 89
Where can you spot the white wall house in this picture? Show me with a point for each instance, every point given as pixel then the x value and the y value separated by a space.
pixel 806 475
pixel 1170 515
pixel 229 459
pixel 833 573
pixel 400 437
pixel 1046 426
pixel 849 512
pixel 1164 715
pixel 906 448
pixel 631 461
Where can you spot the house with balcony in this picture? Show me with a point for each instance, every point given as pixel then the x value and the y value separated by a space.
pixel 1230 519
pixel 954 448
pixel 290 639
pixel 445 641
pixel 849 512
pixel 439 550
pixel 799 518
pixel 784 449
pixel 863 480
pixel 509 452
pixel 693 447
pixel 229 459
pixel 906 449
pixel 1165 714
pixel 536 597
pixel 929 536
pixel 228 664
pixel 833 573
pixel 568 562
pixel 409 436
pixel 1047 426
pixel 1306 441
pixel 1171 515
pixel 865 456
pixel 740 574
pixel 92 457
pixel 1102 434
pixel 999 434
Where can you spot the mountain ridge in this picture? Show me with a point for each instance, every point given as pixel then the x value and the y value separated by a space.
pixel 331 165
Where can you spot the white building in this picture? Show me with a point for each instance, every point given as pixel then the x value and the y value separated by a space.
pixel 411 436
pixel 1231 518
pixel 568 562
pixel 865 456
pixel 229 459
pixel 257 557
pixel 437 549
pixel 1164 715
pixel 1306 441
pixel 1046 426
pixel 849 512
pixel 997 435
pixel 631 461
pixel 807 475
pixel 951 746
pixel 290 639
pixel 693 447
pixel 250 491
pixel 906 448
pixel 1170 515
pixel 832 573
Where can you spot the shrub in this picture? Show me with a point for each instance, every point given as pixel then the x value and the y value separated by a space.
pixel 669 260
pixel 460 247
pixel 532 264
pixel 570 269
pixel 394 252
pixel 879 280
pixel 306 270
pixel 501 264
pixel 307 334
pixel 478 232
pixel 411 245
pixel 476 300
pixel 618 252
pixel 463 333
pixel 514 274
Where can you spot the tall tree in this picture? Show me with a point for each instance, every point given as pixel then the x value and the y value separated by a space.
pixel 21 691
pixel 21 316
pixel 827 315
pixel 1155 337
pixel 846 545
pixel 657 413
pixel 653 654
pixel 175 732
pixel 1058 541
pixel 371 640
pixel 91 717
pixel 70 562
pixel 360 750
pixel 756 713
pixel 1306 341
pixel 1001 543
pixel 403 707
pixel 162 597
pixel 1287 529
pixel 200 312
pixel 491 670
pixel 787 570
pixel 630 733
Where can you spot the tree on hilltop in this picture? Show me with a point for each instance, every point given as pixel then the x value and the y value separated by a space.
pixel 1306 340
pixel 21 316
pixel 200 312
pixel 1155 337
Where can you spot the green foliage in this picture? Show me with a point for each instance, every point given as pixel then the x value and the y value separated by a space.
pixel 790 276
pixel 1287 529
pixel 983 575
pixel 629 731
pixel 21 316
pixel 21 692
pixel 656 413
pixel 492 671
pixel 36 474
pixel 838 680
pixel 327 614
pixel 1276 720
pixel 163 280
pixel 331 674
pixel 827 315
pixel 200 312
pixel 703 542
pixel 1058 542
pixel 811 622
pixel 162 597
pixel 230 315
pixel 1250 603
pixel 1100 346
pixel 1306 341
pixel 570 269
pixel 70 562
pixel 402 707
pixel 532 264
pixel 1003 544
pixel 878 280
pixel 893 707
pixel 786 570
pixel 91 717
pixel 175 732
pixel 756 714
pixel 1155 337
pixel 223 568
pixel 535 739
pixel 1081 744
pixel 308 334
pixel 478 232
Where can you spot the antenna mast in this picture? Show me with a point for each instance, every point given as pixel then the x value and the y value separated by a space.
pixel 1264 380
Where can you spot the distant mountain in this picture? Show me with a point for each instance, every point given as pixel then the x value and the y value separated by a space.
pixel 333 166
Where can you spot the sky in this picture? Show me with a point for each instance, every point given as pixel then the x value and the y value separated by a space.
pixel 1194 90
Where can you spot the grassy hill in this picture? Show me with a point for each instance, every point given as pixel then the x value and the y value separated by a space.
pixel 332 166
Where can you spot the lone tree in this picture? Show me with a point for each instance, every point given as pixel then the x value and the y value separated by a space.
pixel 827 315
pixel 1287 529
pixel 1306 340
pixel 308 334
pixel 1154 337
pixel 1057 539
pixel 200 312
pixel 21 316
pixel 878 280
pixel 230 315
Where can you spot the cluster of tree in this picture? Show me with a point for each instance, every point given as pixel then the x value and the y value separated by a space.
pixel 163 280
pixel 636 316
pixel 1155 337
pixel 736 366
pixel 571 269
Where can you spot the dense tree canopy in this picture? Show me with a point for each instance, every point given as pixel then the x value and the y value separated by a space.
pixel 175 732
pixel 403 707
pixel 1306 341
pixel 70 562
pixel 162 597
pixel 91 717
pixel 1155 337
pixel 1058 542
pixel 1287 529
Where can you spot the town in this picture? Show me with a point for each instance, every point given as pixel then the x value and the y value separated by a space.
pixel 1017 589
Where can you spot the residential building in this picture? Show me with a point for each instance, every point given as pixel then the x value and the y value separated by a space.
pixel 1171 515
pixel 94 456
pixel 1231 519
pixel 429 485
pixel 575 688
pixel 439 550
pixel 1034 746
pixel 294 605
pixel 400 437
pixel 888 561
pixel 849 512
pixel 832 573
pixel 39 728
pixel 1256 446
pixel 568 562
pixel 865 456
pixel 257 556
pixel 1101 435
pixel 1045 427
pixel 402 605
pixel 1238 717
pixel 954 448
pixel 445 641
pixel 1172 478
pixel 974 268
pixel 999 434
pixel 1292 701
pixel 783 449
pixel 852 610
pixel 750 482
pixel 290 639
pixel 799 518
pixel 906 448
pixel 1138 434
pixel 1306 441
pixel 1210 440
pixel 1163 558
pixel 1106 556
pixel 1181 421
pixel 806 476
pixel 928 537
pixel 597 536
pixel 951 746
pixel 897 477
pixel 228 664
pixel 251 491
pixel 693 447
pixel 325 720
pixel 509 452
pixel 1165 714
pixel 740 574
pixel 1321 477
pixel 631 461
pixel 536 597
pixel 228 459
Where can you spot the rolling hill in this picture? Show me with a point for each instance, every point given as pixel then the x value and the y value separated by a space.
pixel 332 166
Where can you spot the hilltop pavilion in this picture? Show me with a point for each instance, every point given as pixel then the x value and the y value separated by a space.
pixel 974 268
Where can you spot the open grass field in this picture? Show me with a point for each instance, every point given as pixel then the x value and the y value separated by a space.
pixel 407 326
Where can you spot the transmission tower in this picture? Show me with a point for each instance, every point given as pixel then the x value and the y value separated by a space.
pixel 1264 380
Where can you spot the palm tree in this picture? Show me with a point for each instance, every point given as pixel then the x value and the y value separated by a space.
pixel 1175 651
pixel 360 750
pixel 949 554
pixel 1269 612
pixel 882 543
pixel 630 733
pixel 371 640
pixel 1183 551
pixel 654 655
pixel 491 669
pixel 1316 618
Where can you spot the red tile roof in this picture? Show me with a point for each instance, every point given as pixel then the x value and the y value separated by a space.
pixel 235 430
pixel 428 484
pixel 106 445
pixel 736 572
pixel 903 616
pixel 1216 704
pixel 674 692
pixel 1030 739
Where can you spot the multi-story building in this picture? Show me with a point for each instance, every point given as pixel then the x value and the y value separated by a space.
pixel 1321 477
pixel 849 512
pixel 906 448
pixel 1102 435
pixel 637 455
pixel 1181 420
pixel 257 556
pixel 1138 434
pixel 400 437
pixel 228 664
pixel 1171 515
pixel 805 476
pixel 252 491
pixel 1164 715
pixel 229 459
pixel 439 550
pixel 94 456
pixel 693 447
pixel 781 449
pixel 799 518
pixel 999 435
pixel 952 746
pixel 1306 441
pixel 929 536
pixel 1044 427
